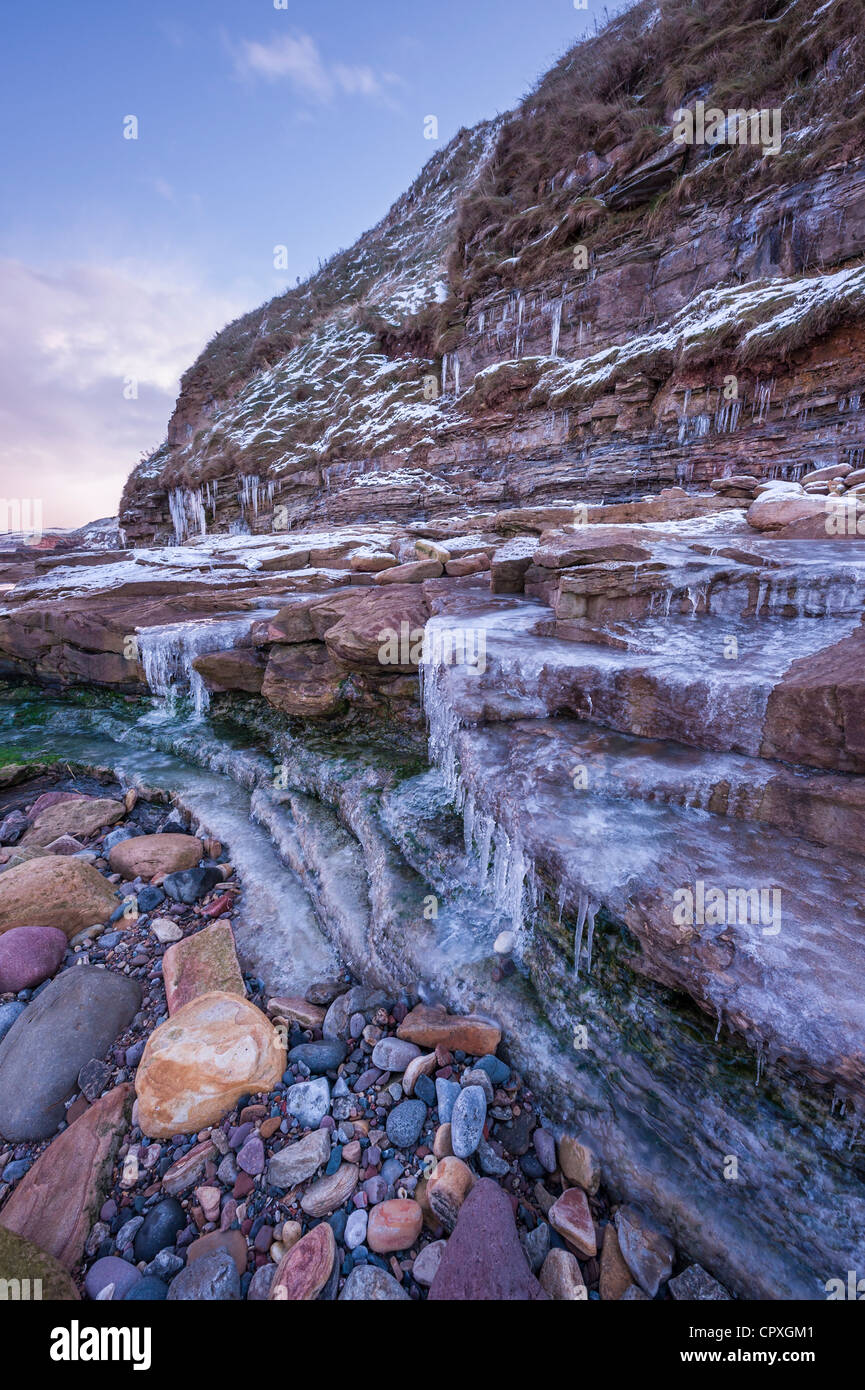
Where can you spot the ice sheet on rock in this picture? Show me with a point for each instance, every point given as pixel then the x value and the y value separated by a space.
pixel 278 937
pixel 168 651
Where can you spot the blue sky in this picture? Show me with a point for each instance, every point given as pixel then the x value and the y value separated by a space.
pixel 257 126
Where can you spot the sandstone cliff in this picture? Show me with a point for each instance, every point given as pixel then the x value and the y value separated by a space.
pixel 603 310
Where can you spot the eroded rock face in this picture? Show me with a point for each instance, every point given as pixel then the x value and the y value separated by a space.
pixel 368 634
pixel 55 891
pixel 196 1065
pixel 304 680
pixel 239 669
pixel 816 712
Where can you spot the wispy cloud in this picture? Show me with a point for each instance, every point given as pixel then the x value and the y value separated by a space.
pixel 296 58
pixel 76 345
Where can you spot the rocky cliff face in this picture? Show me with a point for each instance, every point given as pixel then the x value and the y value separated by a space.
pixel 611 516
pixel 567 303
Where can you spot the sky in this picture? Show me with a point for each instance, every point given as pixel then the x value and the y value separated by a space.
pixel 153 155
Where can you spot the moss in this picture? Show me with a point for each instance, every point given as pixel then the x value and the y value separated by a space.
pixel 21 1260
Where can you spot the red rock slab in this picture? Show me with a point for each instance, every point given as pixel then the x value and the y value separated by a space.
pixel 483 1261
pixel 816 712
pixel 304 1271
pixel 240 668
pixel 304 680
pixel 49 799
pixel 571 1217
pixel 82 816
pixel 431 1027
pixel 56 1203
pixel 201 964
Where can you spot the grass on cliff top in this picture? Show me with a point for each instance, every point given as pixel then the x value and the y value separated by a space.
pixel 611 99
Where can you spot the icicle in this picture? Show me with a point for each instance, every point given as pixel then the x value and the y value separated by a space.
pixel 590 918
pixel 187 512
pixel 167 654
pixel 556 328
pixel 582 911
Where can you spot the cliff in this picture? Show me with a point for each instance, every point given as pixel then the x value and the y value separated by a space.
pixel 569 302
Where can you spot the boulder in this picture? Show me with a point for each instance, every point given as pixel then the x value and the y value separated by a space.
pixel 212 1279
pixel 772 510
pixel 561 1278
pixel 231 1243
pixel 148 855
pixel 695 1285
pixel 412 573
pixel 646 1251
pixel 84 815
pixel 198 1064
pixel 28 955
pixel 431 1027
pixel 57 1202
pixel 469 564
pixel 484 1261
pixel 50 799
pixel 369 632
pixel 188 885
pixel 77 1016
pixel 31 1273
pixel 114 1273
pixel 205 963
pixel 615 1276
pixel 55 891
pixel 371 561
pixel 579 1164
